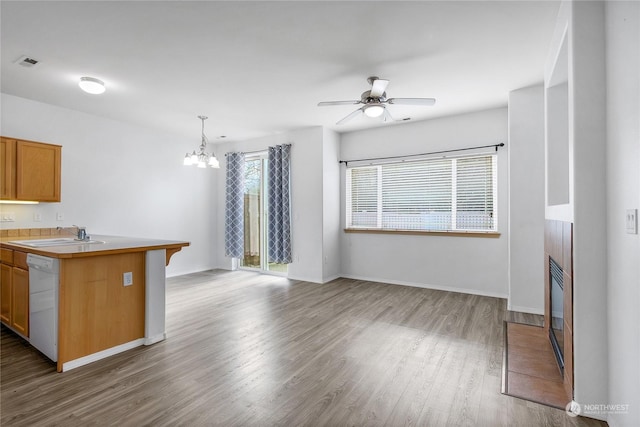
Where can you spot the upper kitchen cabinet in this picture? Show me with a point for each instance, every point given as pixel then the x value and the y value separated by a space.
pixel 8 174
pixel 31 170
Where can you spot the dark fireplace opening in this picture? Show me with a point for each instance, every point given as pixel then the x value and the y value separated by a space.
pixel 556 331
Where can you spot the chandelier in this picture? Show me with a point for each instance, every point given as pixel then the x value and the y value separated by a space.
pixel 202 158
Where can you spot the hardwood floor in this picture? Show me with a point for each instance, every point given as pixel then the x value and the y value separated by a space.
pixel 255 350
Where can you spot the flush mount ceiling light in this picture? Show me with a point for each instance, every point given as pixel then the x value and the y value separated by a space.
pixel 202 158
pixel 92 85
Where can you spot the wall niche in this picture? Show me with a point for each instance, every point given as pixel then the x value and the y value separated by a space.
pixel 558 159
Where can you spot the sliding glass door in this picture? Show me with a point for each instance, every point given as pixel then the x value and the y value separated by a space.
pixel 255 217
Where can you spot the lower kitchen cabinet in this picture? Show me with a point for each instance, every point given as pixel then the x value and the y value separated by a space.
pixel 5 293
pixel 20 301
pixel 14 296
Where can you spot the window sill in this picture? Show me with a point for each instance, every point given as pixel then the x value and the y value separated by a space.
pixel 453 233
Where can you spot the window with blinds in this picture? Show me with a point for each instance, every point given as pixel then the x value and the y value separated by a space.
pixel 454 194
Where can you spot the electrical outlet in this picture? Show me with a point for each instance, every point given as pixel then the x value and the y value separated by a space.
pixel 8 217
pixel 632 221
pixel 37 217
pixel 127 278
pixel 59 216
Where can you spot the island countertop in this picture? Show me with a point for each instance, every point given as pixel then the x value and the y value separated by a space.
pixel 99 311
pixel 111 245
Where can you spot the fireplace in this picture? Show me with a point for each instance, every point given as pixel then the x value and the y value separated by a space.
pixel 556 329
pixel 558 295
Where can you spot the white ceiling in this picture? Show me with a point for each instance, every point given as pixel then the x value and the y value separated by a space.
pixel 258 68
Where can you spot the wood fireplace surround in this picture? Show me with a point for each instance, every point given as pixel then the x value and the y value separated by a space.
pixel 558 244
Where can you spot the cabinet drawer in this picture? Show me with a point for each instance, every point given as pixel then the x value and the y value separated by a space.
pixel 6 256
pixel 20 260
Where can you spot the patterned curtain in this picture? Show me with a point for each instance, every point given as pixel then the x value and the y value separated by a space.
pixel 279 227
pixel 234 210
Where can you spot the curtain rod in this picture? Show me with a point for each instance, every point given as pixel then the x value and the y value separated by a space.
pixel 249 152
pixel 256 151
pixel 346 162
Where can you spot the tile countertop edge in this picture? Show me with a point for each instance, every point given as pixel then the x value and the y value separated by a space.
pixel 112 245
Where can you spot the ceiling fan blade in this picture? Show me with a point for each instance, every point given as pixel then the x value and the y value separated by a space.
pixel 349 117
pixel 378 87
pixel 412 101
pixel 386 116
pixel 324 104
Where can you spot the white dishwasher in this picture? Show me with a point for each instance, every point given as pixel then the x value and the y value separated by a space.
pixel 43 304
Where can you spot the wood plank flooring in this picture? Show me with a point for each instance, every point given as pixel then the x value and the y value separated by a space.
pixel 251 350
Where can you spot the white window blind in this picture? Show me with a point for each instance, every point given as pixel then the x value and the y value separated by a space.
pixel 435 194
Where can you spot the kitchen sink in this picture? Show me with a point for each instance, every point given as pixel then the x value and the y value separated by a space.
pixel 63 241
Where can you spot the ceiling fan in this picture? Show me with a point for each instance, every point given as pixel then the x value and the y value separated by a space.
pixel 375 101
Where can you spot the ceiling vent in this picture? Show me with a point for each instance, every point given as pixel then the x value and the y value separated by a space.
pixel 26 61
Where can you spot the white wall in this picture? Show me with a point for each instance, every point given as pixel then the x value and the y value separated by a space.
pixel 331 205
pixel 583 23
pixel 306 199
pixel 119 179
pixel 526 200
pixel 623 192
pixel 587 122
pixel 464 264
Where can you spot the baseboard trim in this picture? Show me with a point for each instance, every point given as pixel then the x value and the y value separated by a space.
pixel 304 279
pixel 331 278
pixel 522 309
pixel 76 363
pixel 427 286
pixel 395 282
pixel 154 339
pixel 199 269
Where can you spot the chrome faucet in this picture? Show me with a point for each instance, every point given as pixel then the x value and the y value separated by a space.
pixel 82 233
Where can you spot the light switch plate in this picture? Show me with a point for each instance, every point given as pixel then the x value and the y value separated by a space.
pixel 59 216
pixel 127 278
pixel 632 221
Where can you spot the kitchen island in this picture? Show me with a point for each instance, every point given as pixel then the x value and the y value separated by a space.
pixel 110 293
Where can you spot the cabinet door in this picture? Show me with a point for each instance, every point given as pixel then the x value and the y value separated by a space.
pixel 8 164
pixel 5 293
pixel 20 301
pixel 38 171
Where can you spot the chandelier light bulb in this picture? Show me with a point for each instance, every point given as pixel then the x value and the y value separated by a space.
pixel 201 158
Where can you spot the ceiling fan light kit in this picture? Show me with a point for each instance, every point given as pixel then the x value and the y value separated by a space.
pixel 375 101
pixel 373 110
